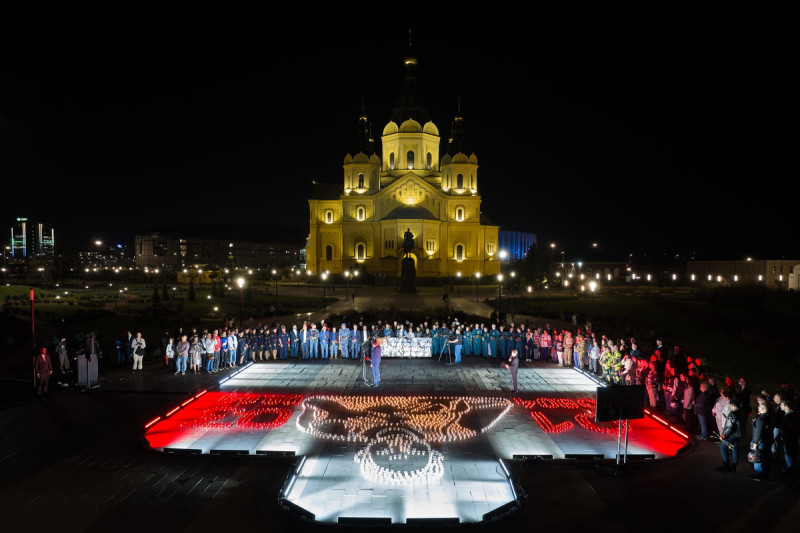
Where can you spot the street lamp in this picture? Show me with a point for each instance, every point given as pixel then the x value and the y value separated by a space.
pixel 499 290
pixel 240 283
pixel 308 280
pixel 592 287
pixel 477 279
pixel 347 284
pixel 458 275
pixel 275 277
pixel 355 275
pixel 324 276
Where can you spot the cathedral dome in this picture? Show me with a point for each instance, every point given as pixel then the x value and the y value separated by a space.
pixel 390 128
pixel 431 128
pixel 410 126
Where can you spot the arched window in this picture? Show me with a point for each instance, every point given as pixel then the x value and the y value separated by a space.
pixel 410 159
pixel 329 253
pixel 459 252
pixel 460 181
pixel 360 213
pixel 391 161
pixel 429 161
pixel 459 214
pixel 329 217
pixel 360 251
pixel 361 181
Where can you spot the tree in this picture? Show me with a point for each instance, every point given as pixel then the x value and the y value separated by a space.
pixel 534 266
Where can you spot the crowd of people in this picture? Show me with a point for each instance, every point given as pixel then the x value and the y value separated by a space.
pixel 675 382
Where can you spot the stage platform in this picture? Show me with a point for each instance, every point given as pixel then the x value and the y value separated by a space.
pixel 432 443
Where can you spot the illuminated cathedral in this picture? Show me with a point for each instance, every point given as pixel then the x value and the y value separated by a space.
pixel 418 198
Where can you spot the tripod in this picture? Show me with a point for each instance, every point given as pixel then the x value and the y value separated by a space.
pixel 445 346
pixel 361 355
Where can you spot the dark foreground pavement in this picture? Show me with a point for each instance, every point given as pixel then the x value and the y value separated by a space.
pixel 77 461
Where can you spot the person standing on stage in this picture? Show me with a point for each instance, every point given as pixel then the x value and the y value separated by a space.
pixel 355 342
pixel 513 365
pixel 457 343
pixel 344 341
pixel 375 362
pixel 283 344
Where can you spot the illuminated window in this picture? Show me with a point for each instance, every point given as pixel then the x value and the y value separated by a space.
pixel 460 181
pixel 360 251
pixel 361 181
pixel 391 161
pixel 459 252
pixel 389 244
pixel 490 249
pixel 460 214
pixel 329 217
pixel 429 161
pixel 430 245
pixel 360 213
pixel 410 159
pixel 329 253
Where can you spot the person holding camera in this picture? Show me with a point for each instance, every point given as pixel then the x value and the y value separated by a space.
pixel 513 365
pixel 139 345
pixel 456 340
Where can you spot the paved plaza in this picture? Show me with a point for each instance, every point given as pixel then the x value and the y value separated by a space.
pixel 86 461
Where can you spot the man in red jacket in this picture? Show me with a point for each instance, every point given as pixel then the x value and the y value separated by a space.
pixel 43 368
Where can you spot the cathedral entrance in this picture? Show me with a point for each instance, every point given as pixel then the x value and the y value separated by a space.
pixel 408 273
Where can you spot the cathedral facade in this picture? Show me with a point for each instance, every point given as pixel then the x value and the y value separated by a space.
pixel 418 197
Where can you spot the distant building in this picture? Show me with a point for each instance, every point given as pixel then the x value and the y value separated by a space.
pixel 232 246
pixel 408 192
pixel 592 264
pixel 780 274
pixel 515 243
pixel 32 240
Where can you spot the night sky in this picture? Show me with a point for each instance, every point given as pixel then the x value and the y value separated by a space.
pixel 649 131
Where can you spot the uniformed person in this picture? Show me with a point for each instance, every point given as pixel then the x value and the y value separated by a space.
pixel 344 341
pixel 284 339
pixel 502 341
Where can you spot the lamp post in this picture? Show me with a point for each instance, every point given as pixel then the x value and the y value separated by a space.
pixel 275 277
pixel 240 283
pixel 355 275
pixel 458 275
pixel 5 263
pixel 477 280
pixel 308 280
pixel 324 276
pixel 347 284
pixel 499 291
pixel 592 287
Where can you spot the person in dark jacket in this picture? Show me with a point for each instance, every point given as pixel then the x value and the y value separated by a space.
pixel 729 439
pixel 761 443
pixel 375 362
pixel 43 368
pixel 790 432
pixel 702 409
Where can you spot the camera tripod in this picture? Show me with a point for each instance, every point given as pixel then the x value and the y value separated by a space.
pixel 445 346
pixel 363 377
